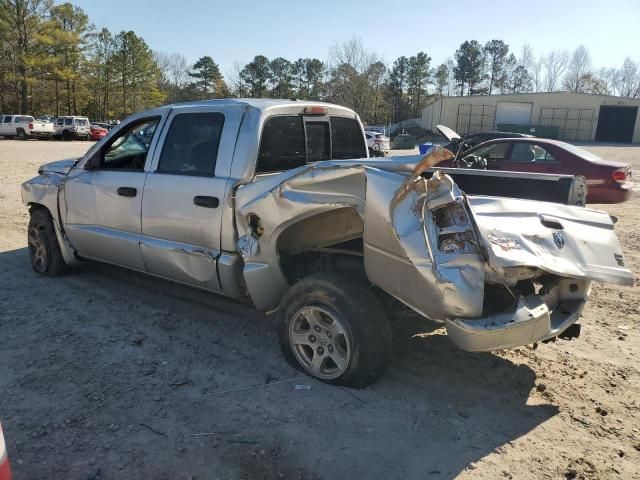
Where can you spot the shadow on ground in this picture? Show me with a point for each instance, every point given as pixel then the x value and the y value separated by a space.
pixel 110 374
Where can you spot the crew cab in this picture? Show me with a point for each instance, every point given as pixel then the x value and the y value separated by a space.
pixel 274 202
pixel 24 127
pixel 70 127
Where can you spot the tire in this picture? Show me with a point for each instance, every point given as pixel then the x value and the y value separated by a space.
pixel 334 328
pixel 44 250
pixel 66 136
pixel 22 135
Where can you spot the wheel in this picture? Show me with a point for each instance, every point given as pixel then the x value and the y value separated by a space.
pixel 22 135
pixel 66 135
pixel 44 250
pixel 335 329
pixel 370 152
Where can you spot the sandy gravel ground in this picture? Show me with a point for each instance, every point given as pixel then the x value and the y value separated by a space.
pixel 109 375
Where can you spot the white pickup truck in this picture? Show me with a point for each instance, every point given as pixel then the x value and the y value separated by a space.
pixel 24 127
pixel 275 203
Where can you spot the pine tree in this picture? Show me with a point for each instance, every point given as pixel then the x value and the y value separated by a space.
pixel 207 74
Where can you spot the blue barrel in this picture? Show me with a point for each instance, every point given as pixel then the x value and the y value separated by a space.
pixel 425 147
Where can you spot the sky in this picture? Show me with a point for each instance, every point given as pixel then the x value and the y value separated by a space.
pixel 237 30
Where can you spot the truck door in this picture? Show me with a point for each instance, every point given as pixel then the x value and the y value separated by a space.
pixel 184 196
pixel 104 202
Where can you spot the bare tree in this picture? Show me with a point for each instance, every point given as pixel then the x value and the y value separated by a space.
pixel 628 79
pixel 533 66
pixel 578 70
pixel 554 65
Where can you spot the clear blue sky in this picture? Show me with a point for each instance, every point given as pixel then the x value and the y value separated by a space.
pixel 239 29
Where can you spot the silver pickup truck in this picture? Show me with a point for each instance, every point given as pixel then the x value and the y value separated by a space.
pixel 276 203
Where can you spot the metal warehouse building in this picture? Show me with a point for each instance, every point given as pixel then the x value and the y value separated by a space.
pixel 575 116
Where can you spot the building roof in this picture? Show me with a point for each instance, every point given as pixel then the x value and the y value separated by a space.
pixel 565 93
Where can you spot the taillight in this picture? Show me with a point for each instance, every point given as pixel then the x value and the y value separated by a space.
pixel 31 126
pixel 620 175
pixel 378 141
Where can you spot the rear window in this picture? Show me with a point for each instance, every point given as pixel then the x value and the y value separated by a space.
pixel 318 146
pixel 288 142
pixel 346 138
pixel 81 121
pixel 282 146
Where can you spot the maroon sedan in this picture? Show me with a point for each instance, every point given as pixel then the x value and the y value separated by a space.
pixel 608 181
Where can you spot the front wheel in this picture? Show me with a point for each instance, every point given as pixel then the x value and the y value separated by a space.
pixel 334 328
pixel 44 250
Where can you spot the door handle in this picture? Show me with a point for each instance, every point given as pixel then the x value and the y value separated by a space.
pixel 127 191
pixel 207 202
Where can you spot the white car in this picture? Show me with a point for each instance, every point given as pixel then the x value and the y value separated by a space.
pixel 24 127
pixel 70 127
pixel 377 143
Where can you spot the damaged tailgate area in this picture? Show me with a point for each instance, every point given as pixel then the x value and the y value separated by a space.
pixel 498 272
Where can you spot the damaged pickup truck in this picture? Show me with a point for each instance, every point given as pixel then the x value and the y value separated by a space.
pixel 276 203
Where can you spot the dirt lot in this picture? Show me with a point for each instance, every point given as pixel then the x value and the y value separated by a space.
pixel 106 374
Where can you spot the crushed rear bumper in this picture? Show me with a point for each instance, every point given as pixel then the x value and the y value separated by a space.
pixel 531 320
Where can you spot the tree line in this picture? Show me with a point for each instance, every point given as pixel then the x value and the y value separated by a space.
pixel 53 60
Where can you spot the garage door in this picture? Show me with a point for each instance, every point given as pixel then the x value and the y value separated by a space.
pixel 516 113
pixel 616 124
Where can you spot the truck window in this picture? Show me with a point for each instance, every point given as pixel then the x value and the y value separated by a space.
pixel 128 150
pixel 68 121
pixel 282 146
pixel 7 119
pixel 347 140
pixel 191 144
pixel 318 147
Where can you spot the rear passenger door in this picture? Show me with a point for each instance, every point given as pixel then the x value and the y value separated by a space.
pixel 185 195
pixel 530 157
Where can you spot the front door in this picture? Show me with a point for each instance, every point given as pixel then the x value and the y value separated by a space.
pixel 184 195
pixel 104 202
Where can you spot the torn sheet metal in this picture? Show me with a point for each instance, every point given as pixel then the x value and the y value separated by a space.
pixel 564 240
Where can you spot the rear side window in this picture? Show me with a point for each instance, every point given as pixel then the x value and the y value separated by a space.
pixel 191 144
pixel 347 139
pixel 68 121
pixel 282 146
pixel 24 119
pixel 7 119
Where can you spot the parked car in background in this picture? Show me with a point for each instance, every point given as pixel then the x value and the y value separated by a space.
pixel 105 125
pixel 607 181
pixel 377 143
pixel 24 127
pixel 70 127
pixel 96 132
pixel 470 140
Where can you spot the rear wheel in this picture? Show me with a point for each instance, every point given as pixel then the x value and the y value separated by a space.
pixel 22 135
pixel 66 135
pixel 44 250
pixel 334 328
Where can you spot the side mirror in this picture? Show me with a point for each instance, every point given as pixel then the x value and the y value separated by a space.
pixel 94 161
